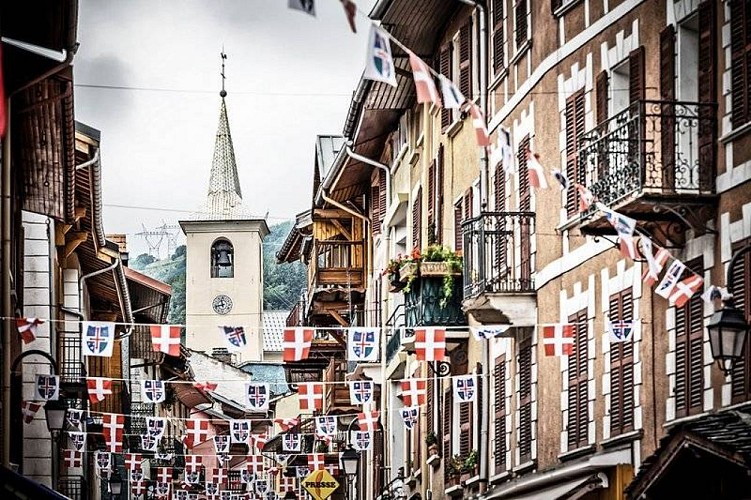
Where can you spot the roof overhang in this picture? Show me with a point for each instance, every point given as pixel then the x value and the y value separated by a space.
pixel 150 297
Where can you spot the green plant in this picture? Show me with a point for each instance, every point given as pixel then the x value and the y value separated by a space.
pixel 454 465
pixel 322 447
pixel 431 439
pixel 470 461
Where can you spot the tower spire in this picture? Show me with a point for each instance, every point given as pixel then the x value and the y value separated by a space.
pixel 224 200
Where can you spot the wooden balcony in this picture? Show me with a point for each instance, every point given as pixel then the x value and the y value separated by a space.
pixel 654 162
pixel 336 396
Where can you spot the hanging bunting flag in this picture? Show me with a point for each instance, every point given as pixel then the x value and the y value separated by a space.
pixel 672 275
pixel 113 426
pixel 99 338
pixel 623 225
pixel 409 415
pixel 379 65
pixel 362 344
pixel 133 461
pixel 239 431
pixel 465 388
pixel 430 344
pixel 368 421
pixel 149 443
pixel 255 463
pixel 326 425
pixel 74 417
pixel 362 440
pixel 558 339
pixel 301 472
pixel 257 395
pixel 77 440
pixel 350 9
pixel 310 395
pixel 163 455
pixel 162 490
pixel 246 476
pixel 535 171
pixel 684 290
pixel 414 392
pixel 73 458
pixel 98 387
pixel 478 122
pixel 212 490
pixel 234 337
pixel 197 431
pixel 205 386
pixel 507 149
pixel 166 339
pixel 655 262
pixel 221 444
pixel 193 469
pixel 180 495
pixel 286 424
pixel 586 198
pixel 316 461
pixel 219 476
pixel 136 475
pixel 714 293
pixel 561 177
pixel 307 6
pixel 325 439
pixel 223 459
pixel 620 331
pixel 103 460
pixel 629 247
pixel 164 474
pixel 137 488
pixel 153 391
pixel 333 469
pixel 155 426
pixel 427 92
pixel 291 442
pixel 452 96
pixel 296 343
pixel 489 331
pixel 27 327
pixel 47 387
pixel 259 440
pixel 262 486
pixel 360 391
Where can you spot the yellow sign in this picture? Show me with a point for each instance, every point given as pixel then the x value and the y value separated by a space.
pixel 320 484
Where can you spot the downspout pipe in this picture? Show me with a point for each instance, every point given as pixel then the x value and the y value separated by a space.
pixel 7 311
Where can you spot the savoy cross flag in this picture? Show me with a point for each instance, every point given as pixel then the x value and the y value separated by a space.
pixel 99 338
pixel 379 65
pixel 362 344
pixel 360 391
pixel 257 395
pixel 153 390
pixel 234 337
pixel 465 388
pixel 47 387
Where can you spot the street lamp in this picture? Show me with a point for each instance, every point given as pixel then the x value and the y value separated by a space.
pixel 350 461
pixel 54 413
pixel 727 327
pixel 290 495
pixel 115 484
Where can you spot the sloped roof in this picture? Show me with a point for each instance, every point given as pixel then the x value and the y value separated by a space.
pixel 273 330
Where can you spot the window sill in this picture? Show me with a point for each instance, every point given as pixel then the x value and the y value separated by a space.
pixel 454 128
pixel 569 224
pixel 499 77
pixel 577 453
pixel 455 490
pixel 567 6
pixel 683 420
pixel 472 481
pixel 735 133
pixel 521 51
pixel 413 158
pixel 499 478
pixel 626 437
pixel 525 467
pixel 434 461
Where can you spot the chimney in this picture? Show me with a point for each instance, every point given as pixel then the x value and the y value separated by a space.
pixel 122 243
pixel 223 355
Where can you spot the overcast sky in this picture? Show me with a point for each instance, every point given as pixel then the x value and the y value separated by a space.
pixel 289 77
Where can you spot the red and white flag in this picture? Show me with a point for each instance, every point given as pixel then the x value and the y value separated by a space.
pixel 193 463
pixel 113 426
pixel 655 262
pixel 259 440
pixel 332 469
pixel 197 432
pixel 427 92
pixel 27 327
pixel 166 339
pixel 452 96
pixel 255 463
pixel 316 461
pixel 28 410
pixel 99 387
pixel 629 247
pixel 430 344
pixel 310 395
pixel 205 386
pixel 684 290
pixel 414 392
pixel 535 171
pixel 73 458
pixel 138 488
pixel 558 339
pixel 286 424
pixel 481 128
pixel 219 476
pixel 368 421
pixel 164 474
pixel 133 461
pixel 296 343
pixel 586 198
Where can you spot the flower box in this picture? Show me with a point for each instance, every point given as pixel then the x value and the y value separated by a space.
pixel 436 269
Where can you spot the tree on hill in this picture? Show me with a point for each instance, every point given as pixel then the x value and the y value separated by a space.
pixel 282 282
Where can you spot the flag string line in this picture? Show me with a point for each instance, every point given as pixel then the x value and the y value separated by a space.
pixel 319 437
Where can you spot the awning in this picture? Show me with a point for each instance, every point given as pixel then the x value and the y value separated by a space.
pixel 568 490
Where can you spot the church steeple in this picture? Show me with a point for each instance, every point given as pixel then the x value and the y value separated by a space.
pixel 224 200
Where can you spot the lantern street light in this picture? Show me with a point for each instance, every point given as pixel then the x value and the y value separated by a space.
pixel 54 413
pixel 115 484
pixel 727 327
pixel 350 461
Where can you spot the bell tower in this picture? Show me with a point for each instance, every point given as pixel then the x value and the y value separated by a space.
pixel 224 268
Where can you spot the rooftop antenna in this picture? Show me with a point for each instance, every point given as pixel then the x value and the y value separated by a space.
pixel 223 93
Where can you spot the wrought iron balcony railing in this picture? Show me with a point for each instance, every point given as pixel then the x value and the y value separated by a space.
pixel 654 147
pixel 394 343
pixel 497 253
pixel 70 355
pixel 73 487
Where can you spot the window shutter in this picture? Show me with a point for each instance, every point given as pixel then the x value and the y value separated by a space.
pixel 465 60
pixel 707 58
pixel 499 188
pixel 521 156
pixel 465 426
pixel 447 411
pixel 601 85
pixel 689 352
pixel 578 400
pixel 375 202
pixel 444 64
pixel 621 367
pixel 520 13
pixel 499 405
pixel 458 212
pixel 417 220
pixel 468 202
pixel 636 75
pixel 574 127
pixel 499 197
pixel 430 404
pixel 741 375
pixel 382 195
pixel 525 204
pixel 439 196
pixel 525 399
pixel 431 200
pixel 667 63
pixel 498 54
pixel 740 32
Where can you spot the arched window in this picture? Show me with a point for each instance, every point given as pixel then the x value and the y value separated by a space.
pixel 222 259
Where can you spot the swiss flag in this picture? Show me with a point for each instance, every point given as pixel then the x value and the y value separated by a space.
pixel 558 340
pixel 686 289
pixel 430 344
pixel 296 343
pixel 535 171
pixel 166 339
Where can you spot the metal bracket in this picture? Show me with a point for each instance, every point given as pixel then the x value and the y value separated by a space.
pixel 440 368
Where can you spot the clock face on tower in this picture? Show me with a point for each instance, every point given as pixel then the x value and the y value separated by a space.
pixel 222 304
